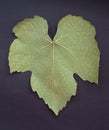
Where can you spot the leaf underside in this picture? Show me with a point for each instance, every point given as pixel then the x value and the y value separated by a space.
pixel 53 62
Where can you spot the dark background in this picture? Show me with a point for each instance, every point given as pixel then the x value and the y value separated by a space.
pixel 20 108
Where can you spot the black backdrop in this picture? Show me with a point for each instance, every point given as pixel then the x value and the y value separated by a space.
pixel 20 108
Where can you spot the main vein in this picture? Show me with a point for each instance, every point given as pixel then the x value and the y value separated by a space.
pixel 53 69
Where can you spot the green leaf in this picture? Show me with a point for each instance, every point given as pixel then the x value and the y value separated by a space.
pixel 53 62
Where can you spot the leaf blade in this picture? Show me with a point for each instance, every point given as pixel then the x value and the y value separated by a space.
pixel 53 63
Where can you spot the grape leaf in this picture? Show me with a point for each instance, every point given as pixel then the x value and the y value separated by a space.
pixel 53 62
